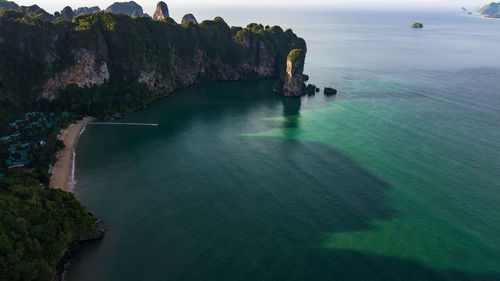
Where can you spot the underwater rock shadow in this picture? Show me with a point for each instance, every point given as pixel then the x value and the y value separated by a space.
pixel 336 192
pixel 265 223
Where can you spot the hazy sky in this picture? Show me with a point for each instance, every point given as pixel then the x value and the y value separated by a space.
pixel 149 5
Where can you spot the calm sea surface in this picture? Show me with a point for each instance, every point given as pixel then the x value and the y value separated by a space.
pixel 396 178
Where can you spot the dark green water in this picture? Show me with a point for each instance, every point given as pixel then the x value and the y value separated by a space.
pixel 397 178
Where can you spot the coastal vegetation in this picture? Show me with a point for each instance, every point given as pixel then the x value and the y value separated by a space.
pixel 295 54
pixel 37 225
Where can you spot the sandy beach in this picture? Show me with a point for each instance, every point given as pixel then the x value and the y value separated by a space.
pixel 61 172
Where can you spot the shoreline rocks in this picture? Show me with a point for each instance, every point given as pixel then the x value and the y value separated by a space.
pixel 74 248
pixel 311 89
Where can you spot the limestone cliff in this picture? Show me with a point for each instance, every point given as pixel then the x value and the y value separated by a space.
pixel 208 69
pixel 67 13
pixel 86 71
pixel 258 58
pixel 161 11
pixel 116 63
pixel 293 85
pixel 127 8
pixel 189 18
pixel 86 10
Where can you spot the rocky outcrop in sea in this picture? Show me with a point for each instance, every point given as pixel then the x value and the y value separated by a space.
pixel 417 25
pixel 329 91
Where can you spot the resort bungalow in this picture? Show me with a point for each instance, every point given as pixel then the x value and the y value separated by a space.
pixel 18 157
pixel 10 137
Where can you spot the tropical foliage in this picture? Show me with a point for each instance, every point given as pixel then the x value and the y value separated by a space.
pixel 36 226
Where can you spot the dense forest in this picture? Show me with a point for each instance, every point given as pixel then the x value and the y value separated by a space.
pixel 36 226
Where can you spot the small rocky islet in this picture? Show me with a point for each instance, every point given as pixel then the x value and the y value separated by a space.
pixel 417 25
pixel 330 91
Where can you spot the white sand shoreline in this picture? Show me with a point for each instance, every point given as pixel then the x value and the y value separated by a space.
pixel 62 173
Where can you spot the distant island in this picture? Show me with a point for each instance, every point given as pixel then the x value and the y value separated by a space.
pixel 491 10
pixel 57 68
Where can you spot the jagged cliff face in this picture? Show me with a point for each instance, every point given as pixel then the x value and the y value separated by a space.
pixel 127 8
pixel 258 58
pixel 161 11
pixel 86 72
pixel 293 85
pixel 188 74
pixel 132 61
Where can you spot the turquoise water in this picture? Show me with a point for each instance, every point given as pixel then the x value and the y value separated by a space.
pixel 396 178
